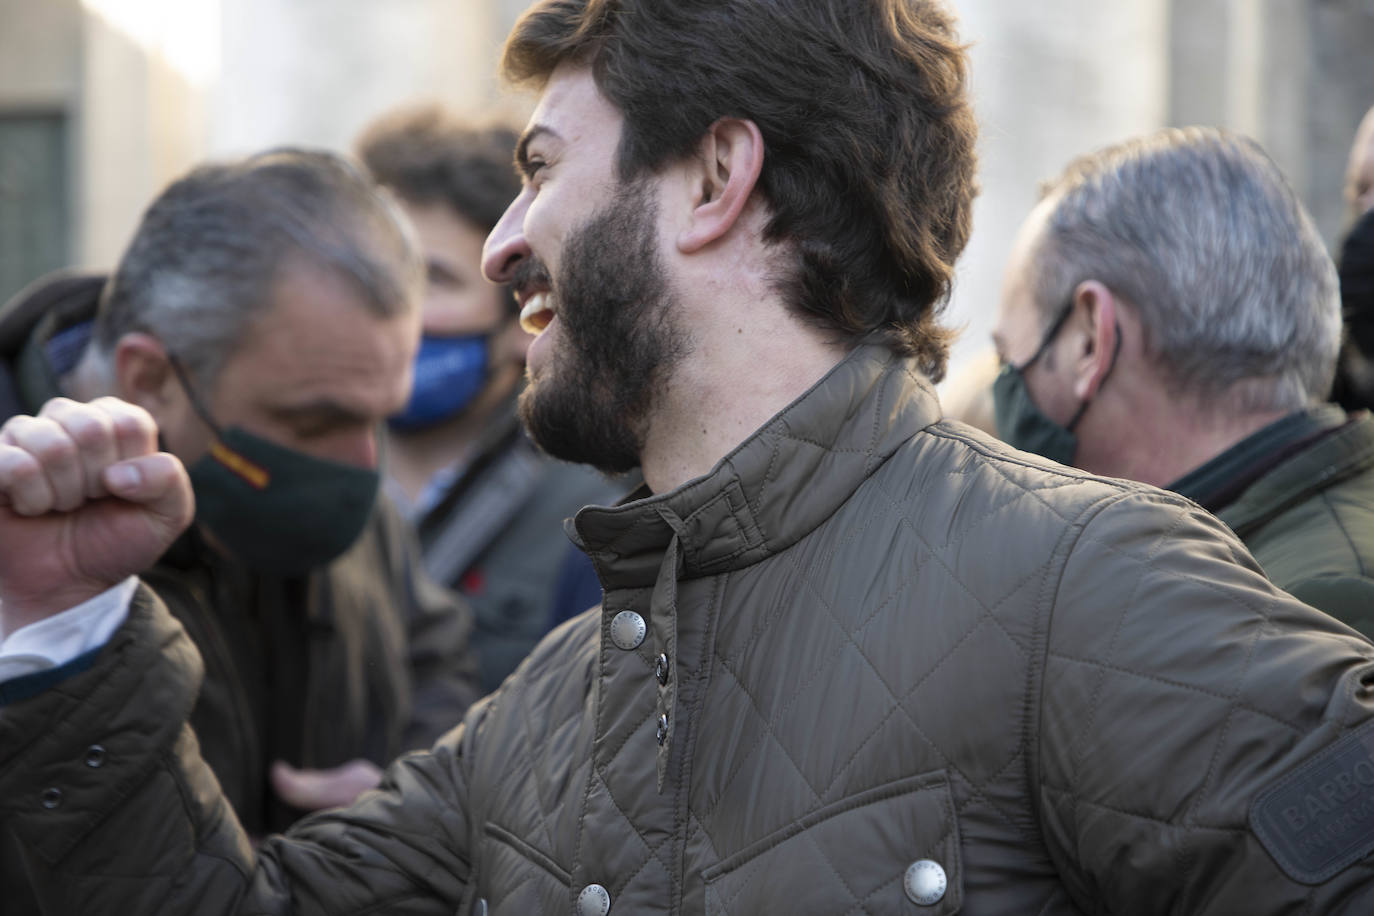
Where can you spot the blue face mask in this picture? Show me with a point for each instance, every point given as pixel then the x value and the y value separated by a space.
pixel 449 374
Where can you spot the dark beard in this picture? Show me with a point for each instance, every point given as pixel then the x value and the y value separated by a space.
pixel 620 339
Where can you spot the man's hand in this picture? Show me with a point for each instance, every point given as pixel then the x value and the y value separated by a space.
pixel 86 500
pixel 312 790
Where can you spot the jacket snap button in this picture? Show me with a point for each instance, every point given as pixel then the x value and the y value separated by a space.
pixel 52 798
pixel 662 729
pixel 627 630
pixel 925 882
pixel 481 908
pixel 661 669
pixel 594 900
pixel 95 756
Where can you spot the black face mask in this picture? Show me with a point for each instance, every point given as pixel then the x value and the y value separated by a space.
pixel 278 511
pixel 1357 283
pixel 1020 422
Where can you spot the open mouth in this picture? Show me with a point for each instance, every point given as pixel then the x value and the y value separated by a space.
pixel 535 313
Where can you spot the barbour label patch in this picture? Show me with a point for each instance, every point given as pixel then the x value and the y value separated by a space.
pixel 1319 819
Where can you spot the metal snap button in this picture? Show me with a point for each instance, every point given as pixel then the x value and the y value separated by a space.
pixel 925 882
pixel 594 900
pixel 481 908
pixel 52 798
pixel 95 756
pixel 628 630
pixel 662 729
pixel 661 669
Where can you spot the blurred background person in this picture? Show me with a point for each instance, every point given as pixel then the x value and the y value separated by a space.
pixel 488 505
pixel 266 314
pixel 1354 385
pixel 1170 315
pixel 1359 172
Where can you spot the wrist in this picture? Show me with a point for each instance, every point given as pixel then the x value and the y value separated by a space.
pixel 20 610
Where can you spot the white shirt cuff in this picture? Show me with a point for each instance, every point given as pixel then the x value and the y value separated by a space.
pixel 62 637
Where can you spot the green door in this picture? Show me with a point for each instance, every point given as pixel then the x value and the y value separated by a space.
pixel 33 198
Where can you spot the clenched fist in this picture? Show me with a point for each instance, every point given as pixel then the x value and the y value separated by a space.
pixel 86 500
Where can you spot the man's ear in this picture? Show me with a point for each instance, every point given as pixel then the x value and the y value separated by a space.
pixel 725 171
pixel 143 373
pixel 1097 315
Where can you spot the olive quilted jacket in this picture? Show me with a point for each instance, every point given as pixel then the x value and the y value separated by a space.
pixel 871 663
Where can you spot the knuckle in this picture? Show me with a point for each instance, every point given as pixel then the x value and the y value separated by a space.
pixel 56 452
pixel 59 406
pixel 119 408
pixel 17 427
pixel 90 430
pixel 18 467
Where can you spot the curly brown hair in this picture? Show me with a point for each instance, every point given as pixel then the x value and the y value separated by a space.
pixel 868 132
pixel 428 155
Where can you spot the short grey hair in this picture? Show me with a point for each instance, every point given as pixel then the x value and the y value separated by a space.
pixel 206 256
pixel 1199 231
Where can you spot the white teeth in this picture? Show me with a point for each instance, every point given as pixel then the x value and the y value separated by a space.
pixel 535 313
pixel 532 305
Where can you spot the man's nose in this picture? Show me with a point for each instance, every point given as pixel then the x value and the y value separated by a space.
pixel 357 447
pixel 506 246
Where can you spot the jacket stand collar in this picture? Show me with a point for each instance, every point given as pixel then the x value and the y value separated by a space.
pixel 776 486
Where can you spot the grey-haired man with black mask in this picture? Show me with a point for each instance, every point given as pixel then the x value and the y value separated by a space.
pixel 265 315
pixel 1170 315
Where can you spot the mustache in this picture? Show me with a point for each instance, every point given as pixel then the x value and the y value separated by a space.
pixel 531 272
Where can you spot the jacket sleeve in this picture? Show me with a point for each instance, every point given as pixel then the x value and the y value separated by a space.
pixel 103 786
pixel 1183 693
pixel 439 625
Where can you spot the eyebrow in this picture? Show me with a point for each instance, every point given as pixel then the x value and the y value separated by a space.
pixel 522 158
pixel 441 270
pixel 323 412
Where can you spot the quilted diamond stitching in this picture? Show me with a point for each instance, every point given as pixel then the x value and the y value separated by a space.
pixel 887 381
pixel 767 479
pixel 540 787
pixel 530 875
pixel 653 851
pixel 830 449
pixel 1076 752
pixel 811 838
pixel 747 643
pixel 1140 816
pixel 1262 609
pixel 892 711
pixel 630 730
pixel 769 733
pixel 861 905
pixel 1130 672
pixel 994 463
pixel 988 612
pixel 695 823
pixel 946 759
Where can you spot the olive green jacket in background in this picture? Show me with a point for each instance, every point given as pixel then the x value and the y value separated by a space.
pixel 1300 494
pixel 872 639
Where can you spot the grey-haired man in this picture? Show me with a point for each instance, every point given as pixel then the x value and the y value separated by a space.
pixel 1170 315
